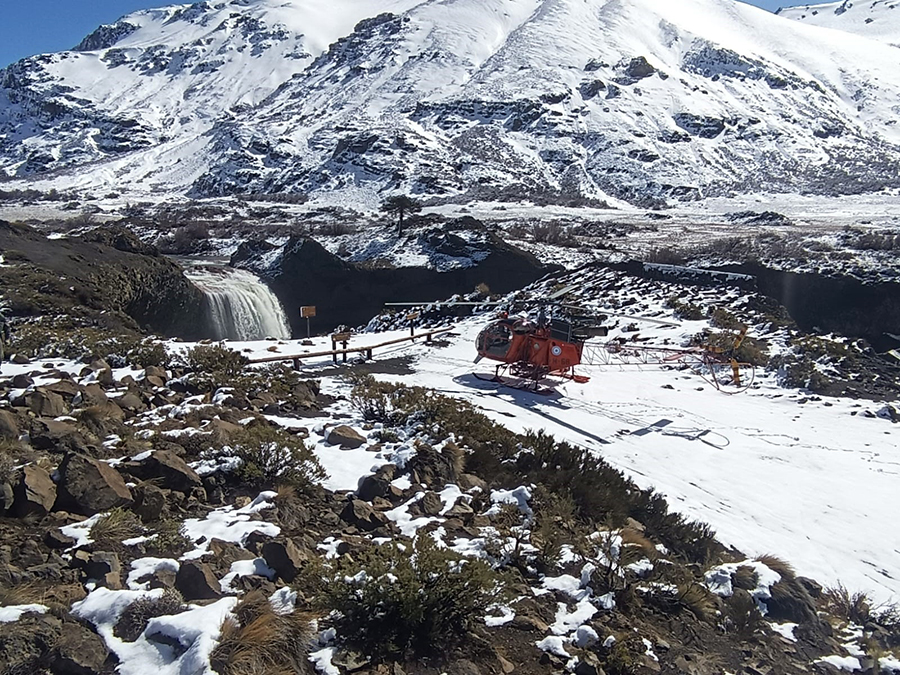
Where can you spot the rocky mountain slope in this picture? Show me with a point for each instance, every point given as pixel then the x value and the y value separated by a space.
pixel 879 19
pixel 554 100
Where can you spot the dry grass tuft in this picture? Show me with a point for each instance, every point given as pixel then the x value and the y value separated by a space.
pixel 697 599
pixel 745 577
pixel 779 565
pixel 137 615
pixel 115 526
pixel 27 593
pixel 842 604
pixel 257 641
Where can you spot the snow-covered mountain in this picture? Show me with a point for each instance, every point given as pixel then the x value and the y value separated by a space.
pixel 879 19
pixel 560 100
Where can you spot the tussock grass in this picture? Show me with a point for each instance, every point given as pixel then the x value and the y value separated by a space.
pixel 115 526
pixel 257 641
pixel 779 565
pixel 137 615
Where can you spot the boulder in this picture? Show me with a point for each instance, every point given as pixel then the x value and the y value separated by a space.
pixel 156 371
pixel 93 394
pixel 460 510
pixel 196 581
pixel 104 567
pixel 467 481
pixel 285 558
pixel 363 516
pixel 171 471
pixel 149 502
pixel 55 539
pixel 22 381
pixel 131 402
pixel 34 493
pixel 78 651
pixel 345 436
pixel 88 486
pixel 9 427
pixel 47 434
pixel 44 403
pixel 377 484
pixel 431 504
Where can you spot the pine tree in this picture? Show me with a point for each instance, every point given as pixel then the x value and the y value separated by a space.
pixel 402 206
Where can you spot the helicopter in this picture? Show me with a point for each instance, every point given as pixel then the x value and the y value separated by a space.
pixel 552 346
pixel 533 350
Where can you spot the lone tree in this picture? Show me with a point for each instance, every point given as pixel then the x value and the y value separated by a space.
pixel 402 206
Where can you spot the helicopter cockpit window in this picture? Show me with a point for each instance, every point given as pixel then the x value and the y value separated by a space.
pixel 496 339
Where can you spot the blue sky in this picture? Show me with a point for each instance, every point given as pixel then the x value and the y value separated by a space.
pixel 37 26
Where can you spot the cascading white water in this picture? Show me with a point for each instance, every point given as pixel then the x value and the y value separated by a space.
pixel 241 307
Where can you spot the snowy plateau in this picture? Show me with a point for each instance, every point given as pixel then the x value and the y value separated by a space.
pixel 646 102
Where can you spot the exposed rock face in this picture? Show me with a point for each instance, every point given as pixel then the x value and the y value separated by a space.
pixel 79 651
pixel 9 428
pixel 89 486
pixel 107 269
pixel 172 471
pixel 285 558
pixel 362 515
pixel 351 294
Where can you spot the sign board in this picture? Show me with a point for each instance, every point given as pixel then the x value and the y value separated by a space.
pixel 307 311
pixel 412 316
pixel 340 337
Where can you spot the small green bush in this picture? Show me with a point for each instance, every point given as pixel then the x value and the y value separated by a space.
pixel 222 363
pixel 388 602
pixel 149 353
pixel 271 456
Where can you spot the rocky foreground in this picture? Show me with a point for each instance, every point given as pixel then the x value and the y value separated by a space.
pixel 168 513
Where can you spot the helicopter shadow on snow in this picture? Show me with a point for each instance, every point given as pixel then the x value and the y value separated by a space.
pixel 534 402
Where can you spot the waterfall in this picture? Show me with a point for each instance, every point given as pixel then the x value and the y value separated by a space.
pixel 241 307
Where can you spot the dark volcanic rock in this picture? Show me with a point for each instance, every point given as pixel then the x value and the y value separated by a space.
pixel 196 581
pixel 89 486
pixel 285 558
pixel 352 293
pixel 106 269
pixel 172 471
pixel 34 493
pixel 363 516
pixel 79 651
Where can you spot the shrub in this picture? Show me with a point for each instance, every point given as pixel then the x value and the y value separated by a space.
pixel 257 641
pixel 216 359
pixel 137 615
pixel 743 616
pixel 685 309
pixel 270 455
pixel 389 602
pixel 170 541
pixel 842 604
pixel 149 353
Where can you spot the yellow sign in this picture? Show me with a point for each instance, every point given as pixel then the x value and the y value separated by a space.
pixel 307 311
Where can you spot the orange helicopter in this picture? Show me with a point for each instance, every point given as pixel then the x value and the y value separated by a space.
pixel 533 350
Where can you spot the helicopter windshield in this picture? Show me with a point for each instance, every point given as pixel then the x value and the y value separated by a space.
pixel 494 341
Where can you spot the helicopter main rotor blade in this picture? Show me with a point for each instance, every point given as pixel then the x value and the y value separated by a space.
pixel 636 317
pixel 467 303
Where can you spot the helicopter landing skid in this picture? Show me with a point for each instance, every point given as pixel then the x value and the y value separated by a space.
pixel 530 386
